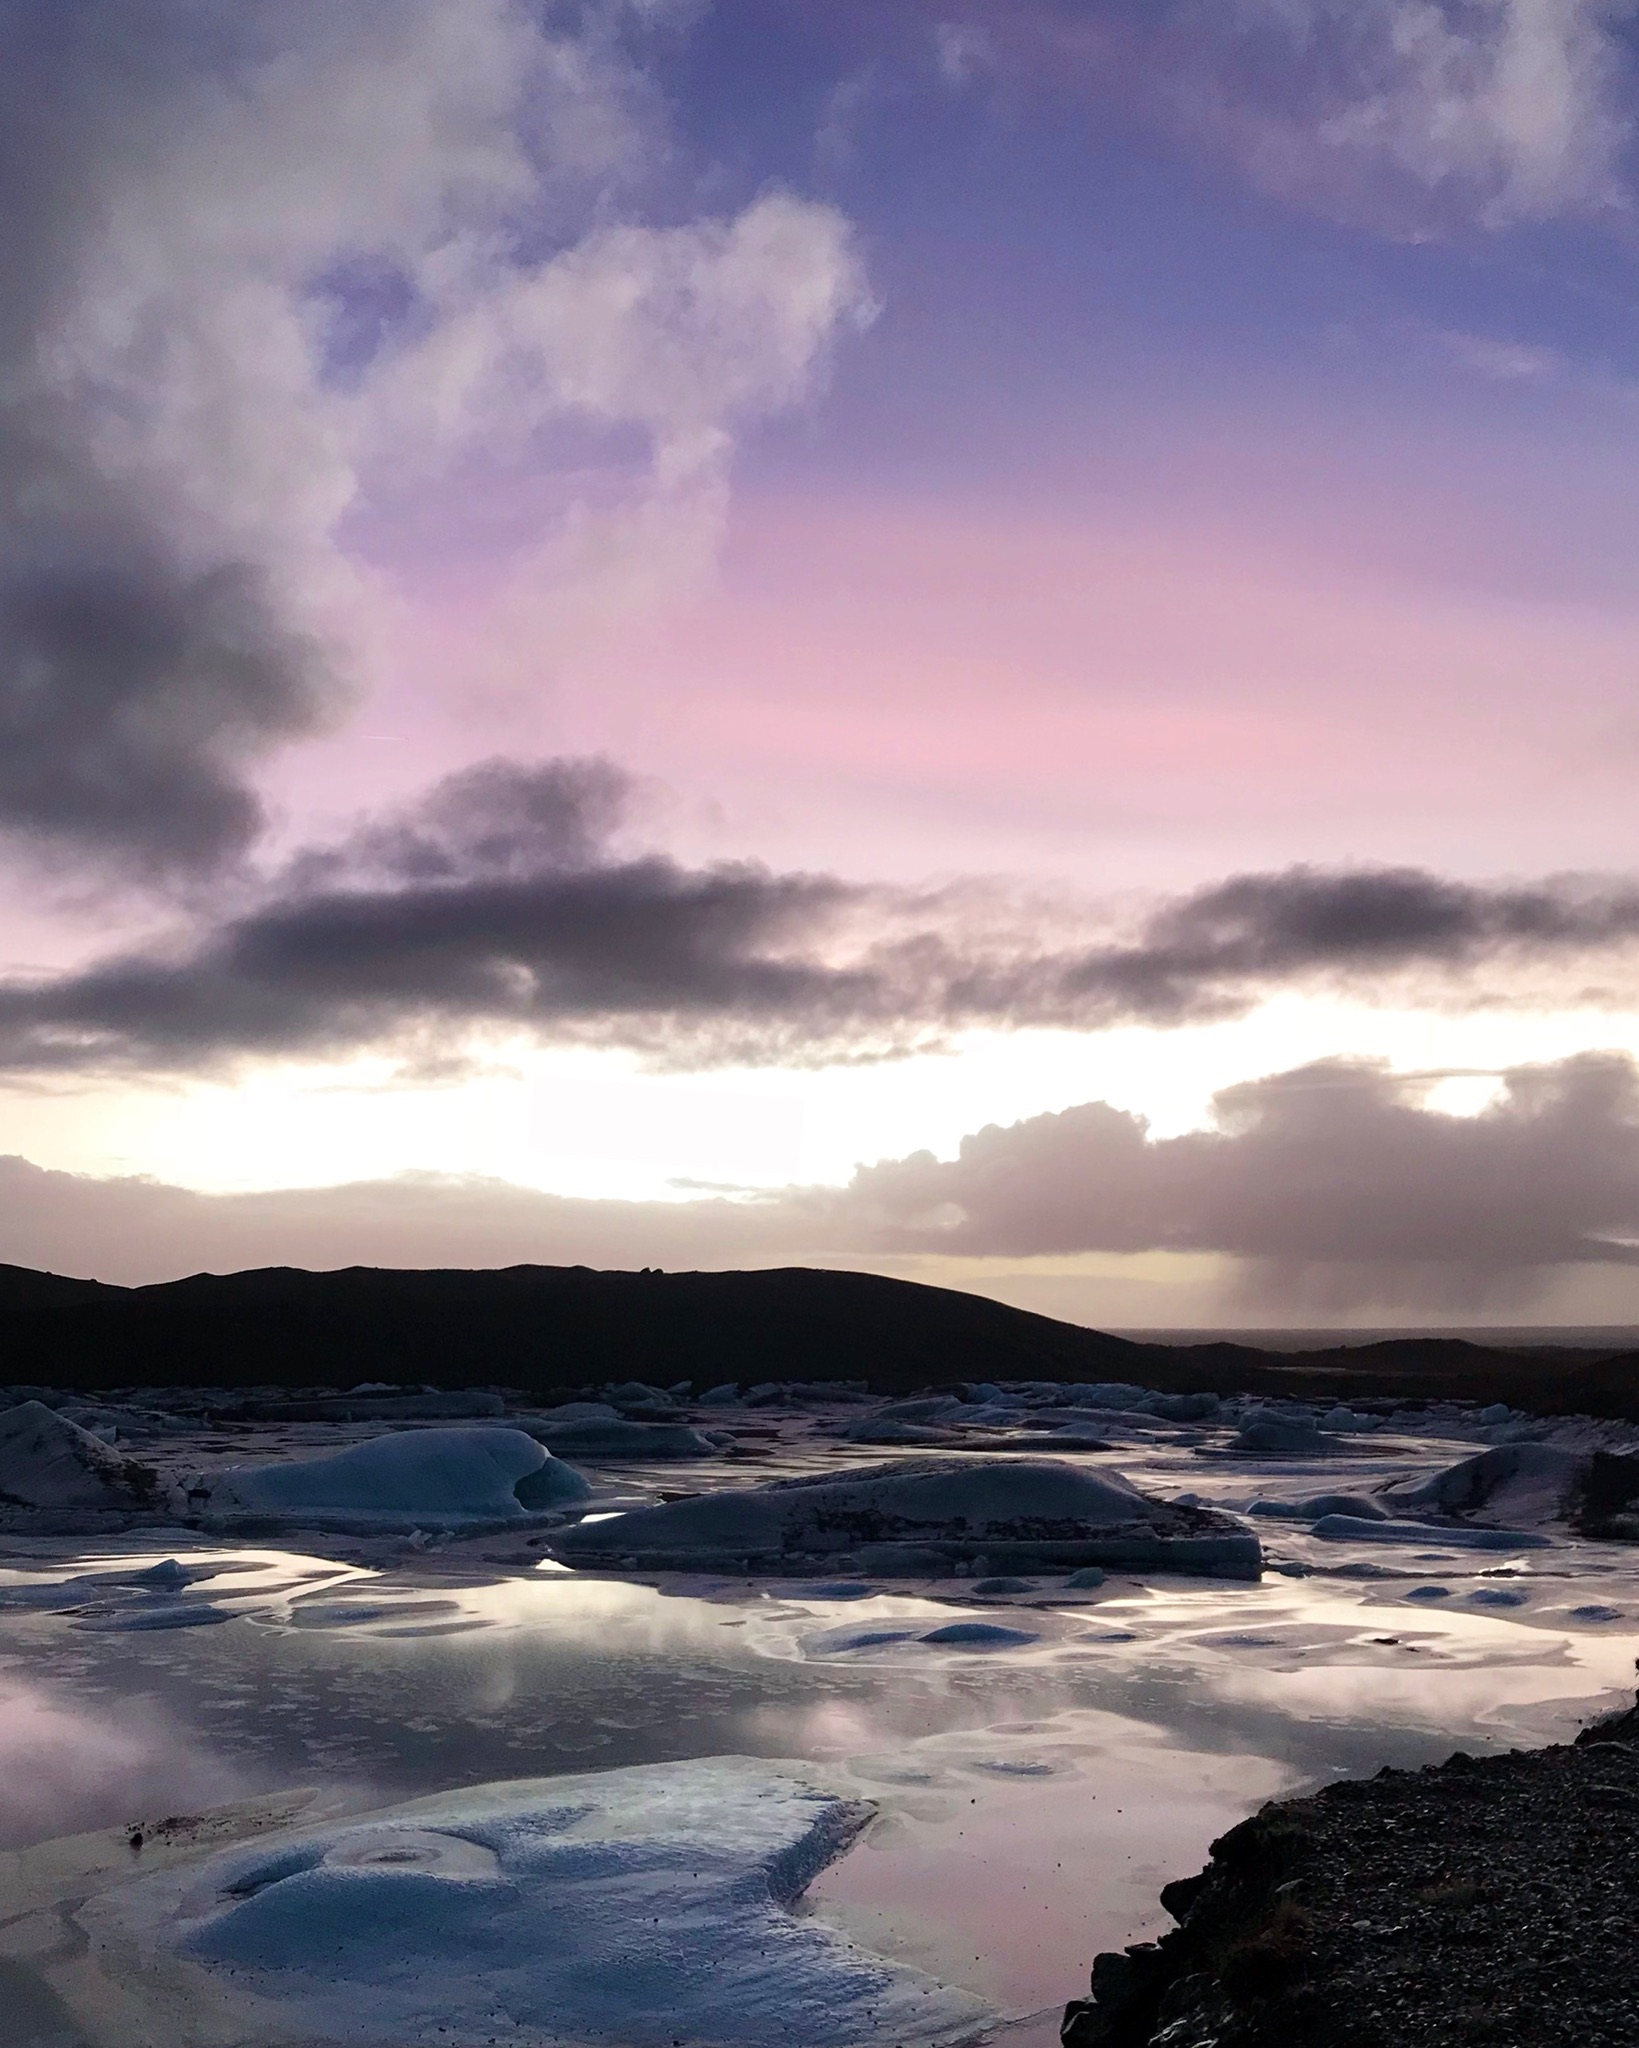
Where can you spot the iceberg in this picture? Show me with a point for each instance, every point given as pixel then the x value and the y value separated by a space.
pixel 932 1513
pixel 891 1429
pixel 1279 1435
pixel 1527 1482
pixel 639 1908
pixel 614 1437
pixel 46 1461
pixel 428 1478
pixel 1360 1505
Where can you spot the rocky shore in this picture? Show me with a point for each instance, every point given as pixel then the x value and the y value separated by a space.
pixel 1486 1900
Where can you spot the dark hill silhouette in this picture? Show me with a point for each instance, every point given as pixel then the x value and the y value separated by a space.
pixel 543 1328
pixel 21 1287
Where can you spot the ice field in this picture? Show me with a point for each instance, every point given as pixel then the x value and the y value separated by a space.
pixel 420 1729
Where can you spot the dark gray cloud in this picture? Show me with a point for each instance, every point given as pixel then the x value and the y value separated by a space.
pixel 1270 928
pixel 504 900
pixel 497 901
pixel 132 697
pixel 143 665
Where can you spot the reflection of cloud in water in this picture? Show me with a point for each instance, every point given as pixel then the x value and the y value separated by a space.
pixel 65 1769
pixel 1009 1853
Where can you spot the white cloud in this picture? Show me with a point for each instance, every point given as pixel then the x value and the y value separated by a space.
pixel 1497 110
pixel 961 50
pixel 1516 100
pixel 1503 362
pixel 685 332
pixel 270 264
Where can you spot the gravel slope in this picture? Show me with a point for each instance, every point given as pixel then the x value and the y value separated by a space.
pixel 1480 1900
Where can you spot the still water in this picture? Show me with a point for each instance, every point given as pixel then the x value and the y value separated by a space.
pixel 1031 1798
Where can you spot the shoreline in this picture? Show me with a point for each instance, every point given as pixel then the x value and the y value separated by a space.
pixel 1481 1900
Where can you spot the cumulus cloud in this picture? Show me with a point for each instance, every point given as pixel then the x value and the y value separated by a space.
pixel 267 264
pixel 507 901
pixel 1334 1170
pixel 1331 1188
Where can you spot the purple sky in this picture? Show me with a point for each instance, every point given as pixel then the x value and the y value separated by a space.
pixel 1093 544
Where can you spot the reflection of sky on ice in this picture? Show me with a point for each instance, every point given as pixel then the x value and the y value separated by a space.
pixel 637 1908
pixel 1032 1798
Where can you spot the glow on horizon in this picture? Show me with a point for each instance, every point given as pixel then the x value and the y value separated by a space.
pixel 597 1125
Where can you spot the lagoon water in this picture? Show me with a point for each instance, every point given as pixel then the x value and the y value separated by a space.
pixel 1039 1760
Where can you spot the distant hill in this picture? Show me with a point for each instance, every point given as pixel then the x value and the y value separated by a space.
pixel 22 1288
pixel 542 1328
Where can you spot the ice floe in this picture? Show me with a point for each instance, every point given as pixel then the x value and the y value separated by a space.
pixel 642 1908
pixel 979 1635
pixel 616 1437
pixel 1431 1535
pixel 923 1516
pixel 1356 1504
pixel 424 1478
pixel 1280 1436
pixel 47 1461
pixel 1530 1483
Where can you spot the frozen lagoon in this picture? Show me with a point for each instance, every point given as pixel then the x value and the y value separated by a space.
pixel 1040 1760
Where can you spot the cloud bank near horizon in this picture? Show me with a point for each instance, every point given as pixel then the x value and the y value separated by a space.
pixel 1332 1187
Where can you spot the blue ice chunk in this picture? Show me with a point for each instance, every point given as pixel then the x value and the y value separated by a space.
pixel 1356 1529
pixel 622 1909
pixel 978 1635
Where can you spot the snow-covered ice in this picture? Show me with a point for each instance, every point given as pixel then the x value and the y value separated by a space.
pixel 642 1908
pixel 1279 1435
pixel 1431 1536
pixel 1528 1483
pixel 935 1513
pixel 615 1437
pixel 1317 1504
pixel 420 1478
pixel 47 1461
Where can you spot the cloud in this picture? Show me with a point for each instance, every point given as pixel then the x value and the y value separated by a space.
pixel 1415 117
pixel 67 1767
pixel 1328 1189
pixel 268 265
pixel 961 52
pixel 1501 362
pixel 1335 1168
pixel 506 901
pixel 1516 104
pixel 135 1230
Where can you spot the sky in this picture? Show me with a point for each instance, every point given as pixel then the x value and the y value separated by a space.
pixel 990 639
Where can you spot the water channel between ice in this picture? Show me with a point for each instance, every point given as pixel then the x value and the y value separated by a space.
pixel 1031 1795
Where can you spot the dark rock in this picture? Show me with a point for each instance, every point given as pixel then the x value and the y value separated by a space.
pixel 1487 1899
